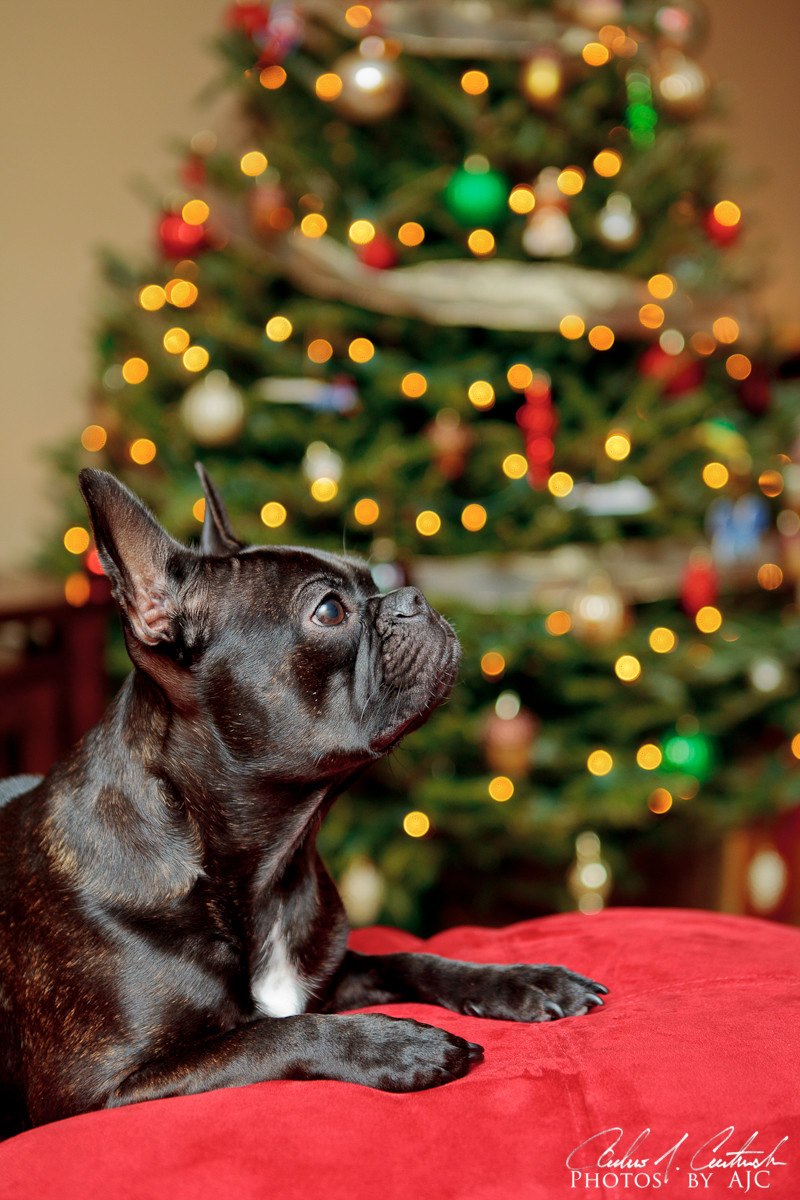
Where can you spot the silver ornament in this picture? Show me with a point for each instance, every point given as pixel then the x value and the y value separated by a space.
pixel 212 410
pixel 372 87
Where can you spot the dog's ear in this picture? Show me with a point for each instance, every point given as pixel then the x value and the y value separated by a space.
pixel 143 563
pixel 217 538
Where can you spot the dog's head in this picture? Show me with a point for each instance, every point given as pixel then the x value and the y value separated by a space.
pixel 290 656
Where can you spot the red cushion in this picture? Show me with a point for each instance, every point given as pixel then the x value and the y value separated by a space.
pixel 701 1031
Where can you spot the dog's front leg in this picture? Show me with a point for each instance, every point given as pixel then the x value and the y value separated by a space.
pixel 377 1051
pixel 523 992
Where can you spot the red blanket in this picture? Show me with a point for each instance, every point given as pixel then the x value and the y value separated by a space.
pixel 701 1032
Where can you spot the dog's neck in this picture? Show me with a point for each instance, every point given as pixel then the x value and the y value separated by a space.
pixel 169 807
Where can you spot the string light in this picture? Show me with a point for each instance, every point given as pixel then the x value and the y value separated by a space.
pixel 649 757
pixel 94 438
pixel 195 358
pixel 601 337
pixel 278 329
pixel 481 394
pixel 319 350
pixel 599 762
pixel 492 664
pixel 181 293
pixel 738 366
pixel 662 640
pixel 572 326
pixel 195 212
pixel 135 370
pixel 708 619
pixel 661 286
pixel 411 233
pixel 273 514
pixel 715 475
pixel 521 199
pixel 361 232
pixel 618 445
pixel 660 801
pixel 77 539
pixel 769 576
pixel 142 451
pixel 176 340
pixel 361 350
pixel 771 483
pixel 570 181
pixel 474 83
pixel 558 623
pixel 473 517
pixel 152 297
pixel 428 523
pixel 560 484
pixel 366 511
pixel 413 385
pixel 416 824
pixel 77 589
pixel 272 77
pixel 358 15
pixel 651 316
pixel 595 54
pixel 481 242
pixel 313 225
pixel 727 213
pixel 515 466
pixel 607 163
pixel 672 342
pixel 703 343
pixel 519 376
pixel 725 330
pixel 501 788
pixel 253 163
pixel 328 86
pixel 199 510
pixel 324 489
pixel 796 745
pixel 627 668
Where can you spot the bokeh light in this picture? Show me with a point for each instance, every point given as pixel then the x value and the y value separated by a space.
pixel 366 511
pixel 142 451
pixel 416 824
pixel 278 329
pixel 473 517
pixel 493 664
pixel 501 788
pixel 253 163
pixel 273 514
pixel 428 523
pixel 599 762
pixel 94 438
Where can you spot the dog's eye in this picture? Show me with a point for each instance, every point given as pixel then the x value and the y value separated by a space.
pixel 329 612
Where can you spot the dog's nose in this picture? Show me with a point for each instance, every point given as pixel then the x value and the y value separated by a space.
pixel 407 602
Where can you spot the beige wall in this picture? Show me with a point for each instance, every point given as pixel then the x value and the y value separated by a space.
pixel 94 91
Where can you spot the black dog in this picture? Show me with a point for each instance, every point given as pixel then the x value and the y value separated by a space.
pixel 162 903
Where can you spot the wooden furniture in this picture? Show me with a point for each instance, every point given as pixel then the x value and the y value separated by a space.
pixel 53 683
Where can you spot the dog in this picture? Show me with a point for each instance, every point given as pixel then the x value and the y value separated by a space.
pixel 166 924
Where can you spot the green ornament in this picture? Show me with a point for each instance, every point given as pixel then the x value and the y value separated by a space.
pixel 476 196
pixel 689 754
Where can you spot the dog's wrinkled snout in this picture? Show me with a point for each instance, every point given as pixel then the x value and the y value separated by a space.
pixel 407 602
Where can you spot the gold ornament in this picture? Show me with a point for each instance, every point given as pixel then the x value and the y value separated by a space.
pixel 372 86
pixel 681 86
pixel 542 80
pixel 598 612
pixel 509 736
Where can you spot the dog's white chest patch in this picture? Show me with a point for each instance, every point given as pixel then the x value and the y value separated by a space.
pixel 277 988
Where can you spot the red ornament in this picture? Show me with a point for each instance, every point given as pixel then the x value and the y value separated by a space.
pixel 719 233
pixel 678 373
pixel 250 19
pixel 538 421
pixel 755 392
pixel 179 239
pixel 380 253
pixel 700 583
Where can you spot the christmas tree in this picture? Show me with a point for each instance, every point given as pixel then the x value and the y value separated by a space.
pixel 460 290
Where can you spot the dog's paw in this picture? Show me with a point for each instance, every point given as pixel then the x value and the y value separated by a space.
pixel 528 992
pixel 402 1055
